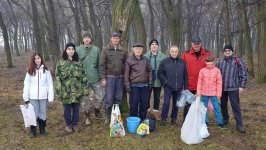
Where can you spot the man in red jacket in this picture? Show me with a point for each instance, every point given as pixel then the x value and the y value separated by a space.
pixel 195 60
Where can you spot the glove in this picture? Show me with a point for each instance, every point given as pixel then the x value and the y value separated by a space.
pixel 128 90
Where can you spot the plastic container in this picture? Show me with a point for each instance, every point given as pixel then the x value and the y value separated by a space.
pixel 133 124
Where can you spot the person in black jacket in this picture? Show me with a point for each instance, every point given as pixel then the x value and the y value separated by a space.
pixel 174 78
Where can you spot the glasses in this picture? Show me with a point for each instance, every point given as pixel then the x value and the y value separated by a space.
pixel 196 43
pixel 116 34
pixel 227 50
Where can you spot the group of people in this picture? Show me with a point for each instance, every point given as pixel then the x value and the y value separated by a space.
pixel 84 70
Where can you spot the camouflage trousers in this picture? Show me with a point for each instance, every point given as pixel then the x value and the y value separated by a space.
pixel 95 98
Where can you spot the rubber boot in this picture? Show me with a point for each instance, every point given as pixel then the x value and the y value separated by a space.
pixel 98 114
pixel 42 125
pixel 32 133
pixel 107 115
pixel 87 118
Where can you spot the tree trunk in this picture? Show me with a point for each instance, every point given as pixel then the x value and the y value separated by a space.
pixel 84 16
pixel 247 40
pixel 261 11
pixel 151 20
pixel 227 36
pixel 140 27
pixel 98 34
pixel 36 27
pixel 122 17
pixel 74 10
pixel 6 42
pixel 173 20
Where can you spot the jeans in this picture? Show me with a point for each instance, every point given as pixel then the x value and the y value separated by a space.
pixel 234 99
pixel 113 91
pixel 40 107
pixel 71 114
pixel 168 93
pixel 139 101
pixel 214 101
pixel 156 96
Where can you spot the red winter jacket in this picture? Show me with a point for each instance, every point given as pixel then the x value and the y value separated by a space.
pixel 194 65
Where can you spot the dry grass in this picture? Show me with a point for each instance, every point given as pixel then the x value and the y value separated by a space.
pixel 14 135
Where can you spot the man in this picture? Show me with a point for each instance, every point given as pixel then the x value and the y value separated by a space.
pixel 138 81
pixel 112 64
pixel 195 60
pixel 89 55
pixel 173 75
pixel 155 58
pixel 234 76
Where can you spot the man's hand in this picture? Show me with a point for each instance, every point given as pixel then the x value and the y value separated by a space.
pixel 103 83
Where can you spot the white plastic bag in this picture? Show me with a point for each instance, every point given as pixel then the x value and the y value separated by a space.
pixel 115 114
pixel 28 115
pixel 194 127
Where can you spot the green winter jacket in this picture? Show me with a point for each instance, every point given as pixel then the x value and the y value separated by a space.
pixel 90 58
pixel 71 81
pixel 159 58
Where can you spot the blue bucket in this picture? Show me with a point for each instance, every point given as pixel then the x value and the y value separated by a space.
pixel 133 124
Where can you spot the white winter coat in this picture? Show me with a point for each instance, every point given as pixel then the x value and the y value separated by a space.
pixel 38 87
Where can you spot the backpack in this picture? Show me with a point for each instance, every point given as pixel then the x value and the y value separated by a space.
pixel 237 61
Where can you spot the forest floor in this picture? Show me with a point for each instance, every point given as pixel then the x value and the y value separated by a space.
pixel 13 134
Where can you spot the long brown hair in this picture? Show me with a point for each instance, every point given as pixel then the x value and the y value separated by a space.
pixel 32 65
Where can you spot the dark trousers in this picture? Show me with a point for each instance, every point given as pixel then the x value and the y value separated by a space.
pixel 156 97
pixel 168 93
pixel 187 106
pixel 139 101
pixel 113 91
pixel 71 113
pixel 234 100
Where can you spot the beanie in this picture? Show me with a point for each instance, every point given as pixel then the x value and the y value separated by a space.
pixel 228 47
pixel 70 44
pixel 154 41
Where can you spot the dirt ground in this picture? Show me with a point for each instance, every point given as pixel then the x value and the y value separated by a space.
pixel 13 134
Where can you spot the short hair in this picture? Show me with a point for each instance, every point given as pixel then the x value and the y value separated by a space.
pixel 209 59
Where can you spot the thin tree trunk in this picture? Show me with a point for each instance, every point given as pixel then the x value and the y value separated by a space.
pixel 6 42
pixel 228 38
pixel 74 10
pixel 36 27
pixel 151 20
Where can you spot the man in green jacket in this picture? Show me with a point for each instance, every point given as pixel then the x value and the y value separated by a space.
pixel 155 57
pixel 89 55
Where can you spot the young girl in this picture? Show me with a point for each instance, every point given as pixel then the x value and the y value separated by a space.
pixel 38 88
pixel 210 86
pixel 71 85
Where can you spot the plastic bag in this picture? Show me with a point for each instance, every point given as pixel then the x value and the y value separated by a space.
pixel 210 107
pixel 182 100
pixel 186 96
pixel 143 129
pixel 115 114
pixel 194 128
pixel 117 129
pixel 28 115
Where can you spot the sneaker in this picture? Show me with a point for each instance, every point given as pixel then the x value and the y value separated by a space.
pixel 69 129
pixel 163 123
pixel 75 128
pixel 240 129
pixel 221 126
pixel 173 122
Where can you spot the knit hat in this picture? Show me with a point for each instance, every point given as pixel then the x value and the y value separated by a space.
pixel 228 47
pixel 70 44
pixel 116 34
pixel 154 41
pixel 86 34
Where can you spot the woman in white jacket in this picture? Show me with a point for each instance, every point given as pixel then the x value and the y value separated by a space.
pixel 38 88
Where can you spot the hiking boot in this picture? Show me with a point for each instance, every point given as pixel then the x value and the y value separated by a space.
pixel 69 129
pixel 240 129
pixel 222 126
pixel 107 115
pixel 225 122
pixel 75 128
pixel 98 114
pixel 163 123
pixel 87 118
pixel 156 114
pixel 173 122
pixel 32 133
pixel 42 125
